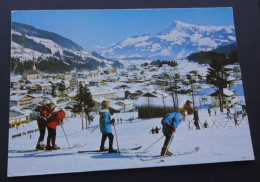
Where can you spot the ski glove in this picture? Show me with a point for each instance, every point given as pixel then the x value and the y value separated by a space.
pixel 174 129
pixel 112 121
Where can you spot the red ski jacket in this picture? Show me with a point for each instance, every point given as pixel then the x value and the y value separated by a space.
pixel 45 110
pixel 55 119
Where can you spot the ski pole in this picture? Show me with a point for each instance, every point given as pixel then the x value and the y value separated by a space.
pixel 65 135
pixel 94 129
pixel 151 145
pixel 116 139
pixel 169 144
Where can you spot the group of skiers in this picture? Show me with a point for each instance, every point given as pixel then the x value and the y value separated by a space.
pixel 155 130
pixel 169 124
pixel 48 119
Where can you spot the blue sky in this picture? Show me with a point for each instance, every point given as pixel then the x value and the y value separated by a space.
pixel 105 27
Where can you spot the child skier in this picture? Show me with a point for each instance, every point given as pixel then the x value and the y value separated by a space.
pixel 169 124
pixel 106 127
pixel 55 119
pixel 45 111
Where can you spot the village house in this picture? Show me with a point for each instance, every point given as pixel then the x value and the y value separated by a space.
pixel 114 108
pixel 113 79
pixel 229 98
pixel 74 83
pixel 153 69
pixel 202 76
pixel 132 68
pixel 64 76
pixel 133 95
pixel 142 72
pixel 17 118
pixel 23 101
pixel 109 71
pixel 96 82
pixel 123 87
pixel 127 105
pixel 106 95
pixel 46 87
pixel 231 81
pixel 93 74
pixel 123 73
pixel 18 92
pixel 35 88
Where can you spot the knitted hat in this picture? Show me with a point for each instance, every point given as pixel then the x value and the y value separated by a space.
pixel 104 104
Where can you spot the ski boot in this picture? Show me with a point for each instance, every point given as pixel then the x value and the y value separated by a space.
pixel 48 147
pixel 168 153
pixel 112 150
pixel 55 147
pixel 165 152
pixel 40 146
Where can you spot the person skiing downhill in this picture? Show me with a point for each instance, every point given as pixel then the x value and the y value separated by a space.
pixel 106 127
pixel 45 111
pixel 196 119
pixel 55 119
pixel 169 124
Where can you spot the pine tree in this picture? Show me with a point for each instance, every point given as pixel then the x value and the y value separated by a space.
pixel 217 76
pixel 88 104
pixel 61 86
pixel 78 105
pixel 53 90
pixel 83 104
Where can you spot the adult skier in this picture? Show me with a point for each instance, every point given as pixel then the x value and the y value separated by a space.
pixel 45 111
pixel 169 124
pixel 157 130
pixel 55 119
pixel 196 118
pixel 209 111
pixel 152 130
pixel 106 127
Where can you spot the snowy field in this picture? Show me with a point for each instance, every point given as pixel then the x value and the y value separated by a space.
pixel 217 144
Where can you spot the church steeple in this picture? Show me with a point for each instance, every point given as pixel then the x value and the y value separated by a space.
pixel 34 67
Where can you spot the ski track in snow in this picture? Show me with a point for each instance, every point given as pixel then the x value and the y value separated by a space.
pixel 232 143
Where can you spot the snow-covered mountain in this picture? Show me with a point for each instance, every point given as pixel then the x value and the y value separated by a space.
pixel 28 42
pixel 177 41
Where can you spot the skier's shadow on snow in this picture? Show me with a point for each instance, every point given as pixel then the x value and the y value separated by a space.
pixel 112 155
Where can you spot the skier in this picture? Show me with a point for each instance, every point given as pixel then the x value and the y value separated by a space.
pixel 196 118
pixel 106 127
pixel 152 130
pixel 55 119
pixel 209 111
pixel 157 130
pixel 45 111
pixel 169 124
pixel 205 124
pixel 228 112
pixel 235 120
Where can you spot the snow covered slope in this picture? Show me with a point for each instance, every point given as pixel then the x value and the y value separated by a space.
pixel 28 42
pixel 177 41
pixel 217 144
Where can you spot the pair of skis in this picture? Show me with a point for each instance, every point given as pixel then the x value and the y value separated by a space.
pixel 122 150
pixel 195 150
pixel 35 151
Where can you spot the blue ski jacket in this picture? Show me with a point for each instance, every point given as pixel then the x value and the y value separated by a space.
pixel 172 119
pixel 104 121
